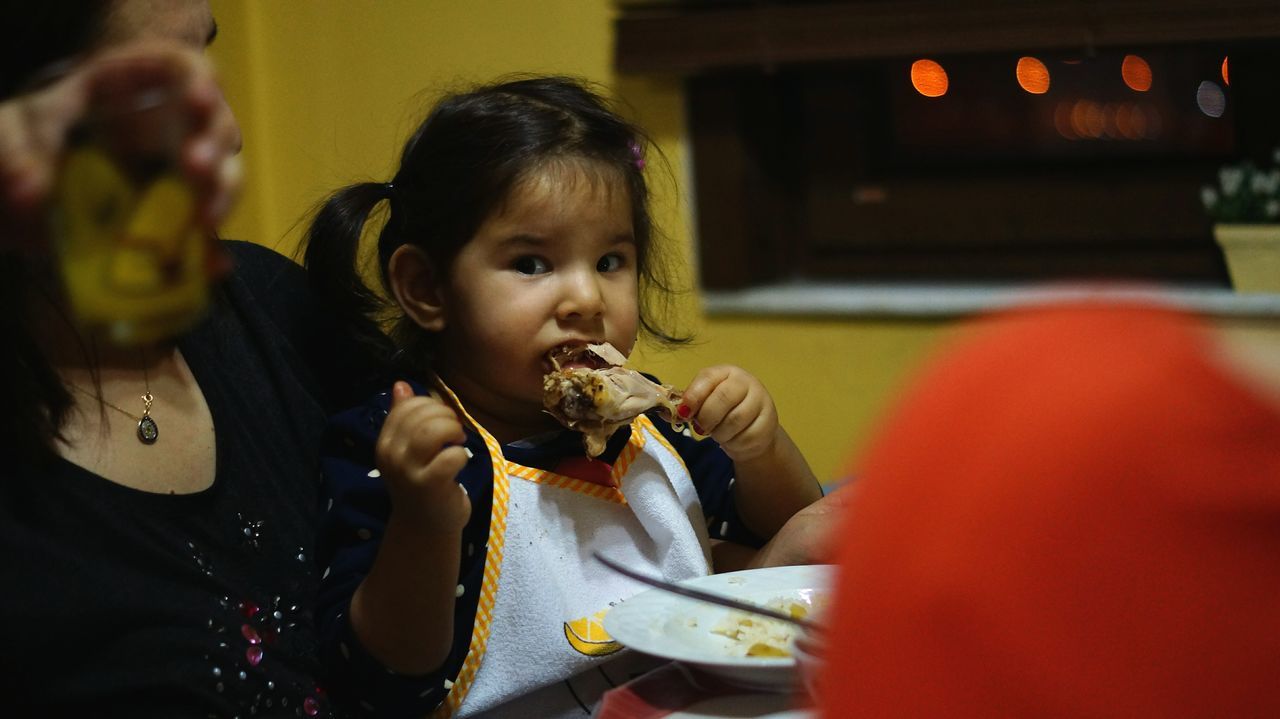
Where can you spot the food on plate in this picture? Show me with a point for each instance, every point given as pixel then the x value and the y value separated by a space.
pixel 589 391
pixel 757 636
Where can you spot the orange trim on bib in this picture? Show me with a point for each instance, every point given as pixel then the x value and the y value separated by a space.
pixel 649 427
pixel 541 476
pixel 551 479
pixel 492 568
pixel 628 453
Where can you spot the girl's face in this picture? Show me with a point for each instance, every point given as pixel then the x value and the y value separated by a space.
pixel 554 265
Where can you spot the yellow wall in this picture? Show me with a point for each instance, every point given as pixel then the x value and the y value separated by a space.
pixel 327 92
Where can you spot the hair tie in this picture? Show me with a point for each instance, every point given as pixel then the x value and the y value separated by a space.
pixel 388 193
pixel 637 155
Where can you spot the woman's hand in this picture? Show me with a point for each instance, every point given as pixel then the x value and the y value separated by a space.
pixel 34 129
pixel 419 454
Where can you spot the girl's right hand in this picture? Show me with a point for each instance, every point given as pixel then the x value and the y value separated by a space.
pixel 419 454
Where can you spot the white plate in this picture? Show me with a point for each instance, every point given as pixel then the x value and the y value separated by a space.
pixel 674 627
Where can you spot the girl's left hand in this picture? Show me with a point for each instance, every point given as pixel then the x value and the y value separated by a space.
pixel 734 408
pixel 773 479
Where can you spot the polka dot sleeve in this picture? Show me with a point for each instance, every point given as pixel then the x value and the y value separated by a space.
pixel 358 507
pixel 713 476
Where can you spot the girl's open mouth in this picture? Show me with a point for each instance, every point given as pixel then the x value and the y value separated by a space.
pixel 583 356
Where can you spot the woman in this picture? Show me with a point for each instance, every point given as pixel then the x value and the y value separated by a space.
pixel 174 577
pixel 167 579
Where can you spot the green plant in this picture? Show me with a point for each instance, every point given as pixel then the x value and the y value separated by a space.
pixel 1245 193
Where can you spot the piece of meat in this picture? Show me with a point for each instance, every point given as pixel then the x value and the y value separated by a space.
pixel 597 395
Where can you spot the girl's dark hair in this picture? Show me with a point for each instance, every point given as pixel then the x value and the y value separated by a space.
pixel 33 37
pixel 457 169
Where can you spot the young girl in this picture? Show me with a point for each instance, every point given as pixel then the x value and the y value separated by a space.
pixel 459 575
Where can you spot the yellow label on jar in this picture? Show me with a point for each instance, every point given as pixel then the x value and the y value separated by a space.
pixel 133 262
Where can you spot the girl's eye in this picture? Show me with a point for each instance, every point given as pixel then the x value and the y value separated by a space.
pixel 611 263
pixel 530 265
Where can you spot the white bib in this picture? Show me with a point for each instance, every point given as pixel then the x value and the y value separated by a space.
pixel 538 622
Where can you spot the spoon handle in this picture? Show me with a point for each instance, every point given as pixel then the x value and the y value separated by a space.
pixel 706 596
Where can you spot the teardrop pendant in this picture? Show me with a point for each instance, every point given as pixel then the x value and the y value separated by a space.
pixel 148 432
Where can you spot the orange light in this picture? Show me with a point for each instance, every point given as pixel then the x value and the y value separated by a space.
pixel 1225 79
pixel 1136 73
pixel 1139 121
pixel 1110 121
pixel 1125 122
pixel 1033 76
pixel 1062 121
pixel 1095 121
pixel 1154 124
pixel 1078 124
pixel 928 78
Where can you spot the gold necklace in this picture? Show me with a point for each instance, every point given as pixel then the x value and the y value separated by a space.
pixel 148 431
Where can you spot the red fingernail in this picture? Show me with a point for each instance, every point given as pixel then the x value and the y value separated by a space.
pixel 683 411
pixel 698 428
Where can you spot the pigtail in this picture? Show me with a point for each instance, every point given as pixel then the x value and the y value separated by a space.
pixel 334 264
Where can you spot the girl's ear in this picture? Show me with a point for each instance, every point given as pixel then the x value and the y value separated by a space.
pixel 417 287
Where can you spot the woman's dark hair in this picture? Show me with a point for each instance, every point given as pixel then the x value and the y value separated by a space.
pixel 34 36
pixel 456 170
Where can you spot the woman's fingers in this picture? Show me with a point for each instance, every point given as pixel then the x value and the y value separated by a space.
pixel 211 153
pixel 210 136
pixel 34 130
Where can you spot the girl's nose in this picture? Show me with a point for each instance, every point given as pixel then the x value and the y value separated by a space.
pixel 582 296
